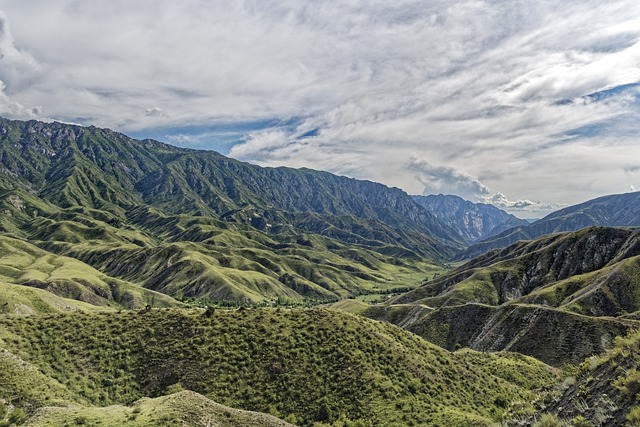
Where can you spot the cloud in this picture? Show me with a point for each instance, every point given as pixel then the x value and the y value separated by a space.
pixel 493 94
pixel 442 179
pixel 531 207
pixel 155 112
pixel 17 68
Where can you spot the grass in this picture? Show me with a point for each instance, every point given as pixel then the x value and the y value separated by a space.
pixel 610 291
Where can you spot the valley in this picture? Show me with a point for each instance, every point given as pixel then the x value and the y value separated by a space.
pixel 146 284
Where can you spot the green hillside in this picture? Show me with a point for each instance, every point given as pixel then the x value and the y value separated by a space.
pixel 533 266
pixel 34 280
pixel 559 298
pixel 556 337
pixel 305 366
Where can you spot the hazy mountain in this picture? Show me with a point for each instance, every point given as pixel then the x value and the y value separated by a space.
pixel 618 210
pixel 472 221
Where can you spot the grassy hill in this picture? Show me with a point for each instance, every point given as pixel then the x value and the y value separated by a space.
pixel 183 408
pixel 305 366
pixel 34 280
pixel 554 336
pixel 530 266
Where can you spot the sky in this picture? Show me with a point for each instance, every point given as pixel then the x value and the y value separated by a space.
pixel 528 105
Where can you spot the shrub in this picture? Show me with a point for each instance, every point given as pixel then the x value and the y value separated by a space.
pixel 629 384
pixel 548 420
pixel 581 421
pixel 633 418
pixel 17 416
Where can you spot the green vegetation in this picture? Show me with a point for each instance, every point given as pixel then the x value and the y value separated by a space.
pixel 120 259
pixel 306 366
pixel 69 283
pixel 199 225
pixel 596 275
pixel 633 418
pixel 548 420
pixel 556 337
pixel 560 298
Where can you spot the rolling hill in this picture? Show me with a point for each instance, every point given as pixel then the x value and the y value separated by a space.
pixel 306 366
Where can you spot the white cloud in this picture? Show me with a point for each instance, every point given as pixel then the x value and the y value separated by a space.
pixel 471 86
pixel 519 206
pixel 443 179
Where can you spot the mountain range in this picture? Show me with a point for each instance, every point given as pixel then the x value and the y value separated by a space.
pixel 145 284
pixel 197 224
pixel 617 210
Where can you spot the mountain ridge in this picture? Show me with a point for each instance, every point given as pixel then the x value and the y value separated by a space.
pixel 615 210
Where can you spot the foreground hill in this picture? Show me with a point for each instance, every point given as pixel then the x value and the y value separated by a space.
pixel 472 221
pixel 195 224
pixel 559 298
pixel 306 366
pixel 618 210
pixel 184 408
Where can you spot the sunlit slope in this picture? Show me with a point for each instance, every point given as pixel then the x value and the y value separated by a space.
pixel 185 408
pixel 559 298
pixel 34 280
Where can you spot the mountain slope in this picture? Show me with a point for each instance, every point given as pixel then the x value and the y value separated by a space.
pixel 618 210
pixel 472 221
pixel 69 280
pixel 556 337
pixel 184 408
pixel 514 272
pixel 97 168
pixel 604 389
pixel 560 298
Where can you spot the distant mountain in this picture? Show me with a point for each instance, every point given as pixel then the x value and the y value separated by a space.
pixel 618 210
pixel 472 221
pixel 192 223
